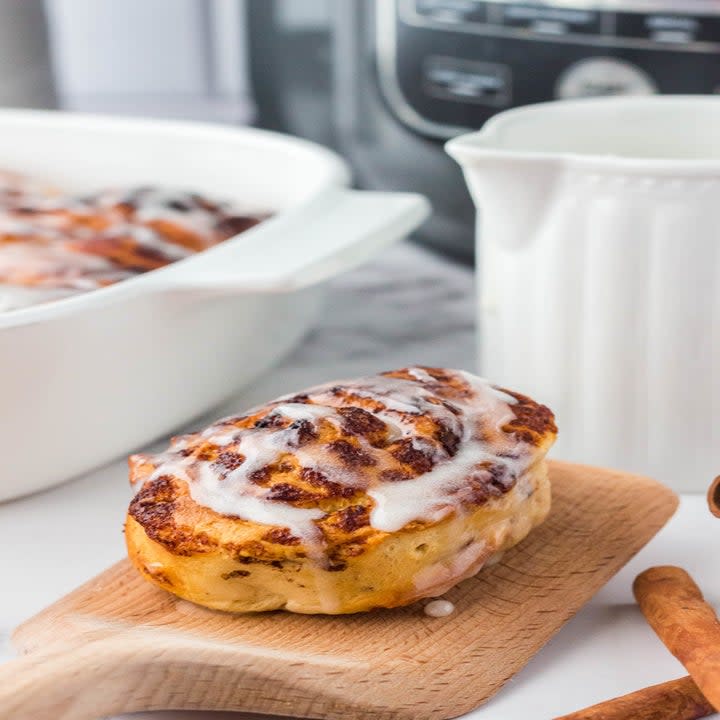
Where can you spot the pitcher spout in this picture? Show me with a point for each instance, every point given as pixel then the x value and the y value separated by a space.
pixel 513 190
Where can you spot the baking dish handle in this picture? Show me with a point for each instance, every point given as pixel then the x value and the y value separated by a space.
pixel 338 231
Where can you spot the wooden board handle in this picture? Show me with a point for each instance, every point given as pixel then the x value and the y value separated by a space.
pixel 81 682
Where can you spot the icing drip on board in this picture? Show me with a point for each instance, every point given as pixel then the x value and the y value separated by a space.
pixel 439 608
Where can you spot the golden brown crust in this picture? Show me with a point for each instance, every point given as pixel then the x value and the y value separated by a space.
pixel 397 570
pixel 171 518
pixel 533 422
pixel 360 444
pixel 349 459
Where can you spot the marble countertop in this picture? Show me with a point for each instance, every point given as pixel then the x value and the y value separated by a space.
pixel 408 308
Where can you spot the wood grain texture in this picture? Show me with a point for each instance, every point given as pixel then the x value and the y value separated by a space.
pixel 117 644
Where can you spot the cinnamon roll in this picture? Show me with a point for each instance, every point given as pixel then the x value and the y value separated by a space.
pixel 53 245
pixel 345 497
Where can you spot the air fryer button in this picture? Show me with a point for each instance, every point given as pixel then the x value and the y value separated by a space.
pixel 467 81
pixel 537 19
pixel 668 28
pixel 603 76
pixel 452 11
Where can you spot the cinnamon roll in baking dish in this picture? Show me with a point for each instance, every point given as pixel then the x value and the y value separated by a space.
pixel 53 244
pixel 345 497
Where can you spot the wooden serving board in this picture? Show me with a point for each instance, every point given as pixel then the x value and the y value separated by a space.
pixel 118 644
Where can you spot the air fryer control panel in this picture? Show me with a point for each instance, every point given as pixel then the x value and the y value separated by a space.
pixel 448 65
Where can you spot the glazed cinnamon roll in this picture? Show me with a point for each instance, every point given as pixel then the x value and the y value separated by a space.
pixel 345 497
pixel 52 245
pixel 18 190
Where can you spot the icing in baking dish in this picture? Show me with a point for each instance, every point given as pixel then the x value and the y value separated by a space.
pixel 54 245
pixel 471 448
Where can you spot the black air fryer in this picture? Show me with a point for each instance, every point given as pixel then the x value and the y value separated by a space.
pixel 410 74
pixel 404 76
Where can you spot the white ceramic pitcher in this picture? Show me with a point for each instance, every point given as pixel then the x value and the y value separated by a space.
pixel 599 275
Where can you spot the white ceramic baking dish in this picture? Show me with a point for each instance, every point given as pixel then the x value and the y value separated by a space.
pixel 88 378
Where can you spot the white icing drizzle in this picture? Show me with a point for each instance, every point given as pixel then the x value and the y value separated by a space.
pixel 256 506
pixel 18 190
pixel 429 496
pixel 235 494
pixel 34 272
pixel 439 608
pixel 148 238
pixel 43 235
pixel 196 219
pixel 442 573
pixel 436 493
pixel 420 374
pixel 13 225
pixel 304 411
pixel 51 258
pixel 180 208
pixel 476 421
pixel 14 297
pixel 392 394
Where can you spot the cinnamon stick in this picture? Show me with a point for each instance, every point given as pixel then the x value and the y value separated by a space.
pixel 679 699
pixel 713 497
pixel 675 608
